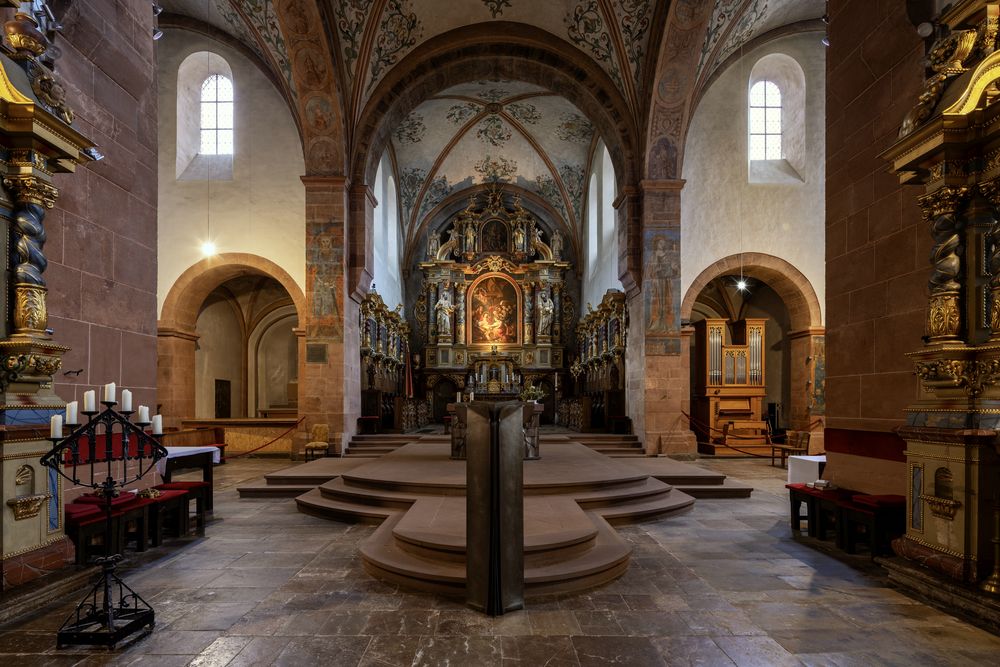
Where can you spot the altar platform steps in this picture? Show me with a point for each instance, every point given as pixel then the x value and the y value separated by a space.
pixel 609 444
pixel 738 450
pixel 569 542
pixel 376 445
pixel 298 479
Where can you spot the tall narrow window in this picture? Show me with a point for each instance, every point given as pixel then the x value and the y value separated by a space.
pixel 765 121
pixel 217 116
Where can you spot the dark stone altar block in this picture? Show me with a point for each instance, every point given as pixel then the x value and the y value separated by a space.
pixel 494 507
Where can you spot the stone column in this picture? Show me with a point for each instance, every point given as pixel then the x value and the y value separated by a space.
pixel 330 381
pixel 32 197
pixel 529 312
pixel 655 317
pixel 175 374
pixel 807 409
pixel 460 289
pixel 944 317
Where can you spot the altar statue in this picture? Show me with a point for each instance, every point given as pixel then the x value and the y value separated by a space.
pixel 433 245
pixel 518 238
pixel 557 245
pixel 546 307
pixel 456 247
pixel 444 309
pixel 470 238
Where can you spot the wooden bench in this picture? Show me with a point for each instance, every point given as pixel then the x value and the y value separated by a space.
pixel 852 516
pixel 796 442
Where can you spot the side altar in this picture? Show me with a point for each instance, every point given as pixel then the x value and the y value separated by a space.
pixel 492 303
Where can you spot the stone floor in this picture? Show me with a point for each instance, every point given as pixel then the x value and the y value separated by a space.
pixel 721 585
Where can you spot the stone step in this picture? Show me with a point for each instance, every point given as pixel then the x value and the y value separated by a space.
pixel 728 489
pixel 316 504
pixel 370 449
pixel 265 490
pixel 673 502
pixel 637 491
pixel 606 560
pixel 338 489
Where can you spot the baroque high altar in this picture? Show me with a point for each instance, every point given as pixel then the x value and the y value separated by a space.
pixel 494 303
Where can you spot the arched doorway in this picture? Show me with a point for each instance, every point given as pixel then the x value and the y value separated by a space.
pixel 794 336
pixel 228 297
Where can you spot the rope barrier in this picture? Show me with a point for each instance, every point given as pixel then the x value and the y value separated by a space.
pixel 708 428
pixel 270 442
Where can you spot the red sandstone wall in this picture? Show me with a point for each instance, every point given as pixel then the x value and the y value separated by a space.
pixel 876 248
pixel 102 233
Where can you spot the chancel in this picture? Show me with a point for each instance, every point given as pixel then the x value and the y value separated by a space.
pixel 492 331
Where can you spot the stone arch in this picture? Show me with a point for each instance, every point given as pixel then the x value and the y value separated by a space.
pixel 176 327
pixel 791 285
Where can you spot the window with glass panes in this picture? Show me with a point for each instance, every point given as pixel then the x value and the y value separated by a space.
pixel 765 121
pixel 217 116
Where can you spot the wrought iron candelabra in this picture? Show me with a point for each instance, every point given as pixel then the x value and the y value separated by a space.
pixel 111 611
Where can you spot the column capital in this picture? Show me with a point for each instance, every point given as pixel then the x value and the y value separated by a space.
pixel 325 181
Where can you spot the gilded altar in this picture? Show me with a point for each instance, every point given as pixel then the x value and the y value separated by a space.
pixel 493 302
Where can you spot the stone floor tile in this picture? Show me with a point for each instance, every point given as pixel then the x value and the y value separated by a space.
pixel 600 651
pixel 259 651
pixel 391 651
pixel 553 623
pixel 220 652
pixel 408 622
pixel 691 652
pixel 303 651
pixel 479 651
pixel 598 623
pixel 756 652
pixel 533 651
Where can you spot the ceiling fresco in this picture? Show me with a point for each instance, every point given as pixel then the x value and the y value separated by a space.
pixel 493 132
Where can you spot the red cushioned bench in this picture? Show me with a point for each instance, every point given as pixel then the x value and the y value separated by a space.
pixel 85 521
pixel 852 515
pixel 200 492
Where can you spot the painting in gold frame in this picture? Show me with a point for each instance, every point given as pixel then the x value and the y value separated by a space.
pixel 494 311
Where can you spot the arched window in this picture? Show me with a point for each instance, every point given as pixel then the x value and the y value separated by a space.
pixel 217 116
pixel 765 121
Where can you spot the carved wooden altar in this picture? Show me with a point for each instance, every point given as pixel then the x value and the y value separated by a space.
pixel 950 146
pixel 384 350
pixel 492 302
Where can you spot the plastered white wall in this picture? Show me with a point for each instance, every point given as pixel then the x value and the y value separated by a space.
pixel 262 209
pixel 721 213
pixel 218 356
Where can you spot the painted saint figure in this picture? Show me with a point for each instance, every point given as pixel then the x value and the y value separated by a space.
pixel 557 245
pixel 518 238
pixel 658 275
pixel 470 238
pixel 433 245
pixel 546 307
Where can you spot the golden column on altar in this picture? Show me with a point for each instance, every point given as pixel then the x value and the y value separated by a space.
pixel 37 140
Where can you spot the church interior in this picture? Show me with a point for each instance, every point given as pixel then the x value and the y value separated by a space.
pixel 585 332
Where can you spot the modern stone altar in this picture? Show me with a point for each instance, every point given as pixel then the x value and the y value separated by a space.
pixel 459 430
pixel 573 496
pixel 37 140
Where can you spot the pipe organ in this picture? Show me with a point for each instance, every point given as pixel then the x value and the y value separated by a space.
pixel 729 386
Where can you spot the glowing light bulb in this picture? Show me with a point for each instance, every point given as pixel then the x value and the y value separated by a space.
pixel 741 285
pixel 208 248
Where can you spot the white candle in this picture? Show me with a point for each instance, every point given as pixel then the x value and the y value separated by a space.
pixel 90 401
pixel 126 400
pixel 157 424
pixel 109 393
pixel 458 397
pixel 55 425
pixel 71 413
pixel 143 414
pixel 472 395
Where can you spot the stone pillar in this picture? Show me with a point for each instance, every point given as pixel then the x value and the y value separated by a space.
pixel 175 374
pixel 460 313
pixel 807 409
pixel 330 381
pixel 529 313
pixel 665 360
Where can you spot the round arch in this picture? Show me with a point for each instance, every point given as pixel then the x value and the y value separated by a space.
pixel 503 50
pixel 189 291
pixel 791 285
pixel 176 329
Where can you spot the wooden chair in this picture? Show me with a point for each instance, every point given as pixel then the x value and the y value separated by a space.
pixel 319 442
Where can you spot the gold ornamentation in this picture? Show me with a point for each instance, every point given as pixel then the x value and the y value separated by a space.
pixel 943 201
pixel 44 364
pixel 30 313
pixel 494 264
pixel 943 508
pixel 973 376
pixel 24 35
pixel 27 507
pixel 944 318
pixel 50 92
pixel 23 475
pixel 947 59
pixel 32 190
pixel 150 493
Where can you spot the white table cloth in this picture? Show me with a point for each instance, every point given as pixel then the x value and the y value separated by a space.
pixel 175 452
pixel 804 469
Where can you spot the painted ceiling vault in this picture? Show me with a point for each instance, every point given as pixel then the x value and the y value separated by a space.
pixel 493 132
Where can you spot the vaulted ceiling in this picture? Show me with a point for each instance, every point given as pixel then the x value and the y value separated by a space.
pixel 488 131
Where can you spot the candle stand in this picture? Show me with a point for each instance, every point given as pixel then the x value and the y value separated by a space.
pixel 111 611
